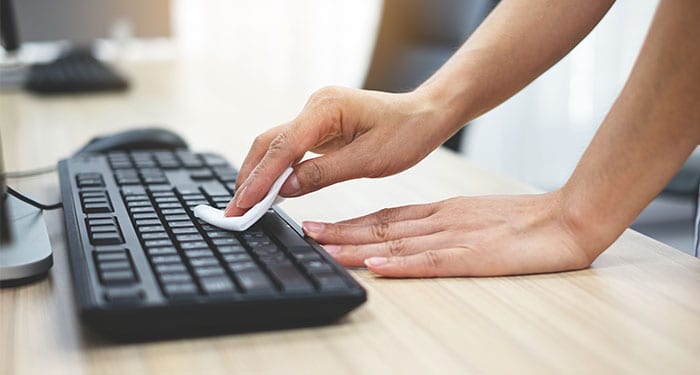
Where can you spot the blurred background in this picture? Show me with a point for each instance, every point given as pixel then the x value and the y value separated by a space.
pixel 536 137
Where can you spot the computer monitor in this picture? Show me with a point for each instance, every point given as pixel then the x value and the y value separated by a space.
pixel 25 250
pixel 8 27
pixel 80 22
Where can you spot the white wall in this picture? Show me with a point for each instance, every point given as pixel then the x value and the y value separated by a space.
pixel 538 135
pixel 324 41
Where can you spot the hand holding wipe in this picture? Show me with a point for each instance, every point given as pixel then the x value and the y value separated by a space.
pixel 216 217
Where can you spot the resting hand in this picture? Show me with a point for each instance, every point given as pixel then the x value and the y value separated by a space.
pixel 360 134
pixel 483 236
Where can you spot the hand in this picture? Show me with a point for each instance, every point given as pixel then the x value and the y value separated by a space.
pixel 360 134
pixel 482 236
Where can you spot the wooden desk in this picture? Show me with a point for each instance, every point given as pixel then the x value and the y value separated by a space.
pixel 637 310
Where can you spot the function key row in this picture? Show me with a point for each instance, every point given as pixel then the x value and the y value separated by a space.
pixel 163 159
pixel 145 176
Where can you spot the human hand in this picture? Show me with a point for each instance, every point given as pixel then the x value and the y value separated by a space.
pixel 359 134
pixel 482 236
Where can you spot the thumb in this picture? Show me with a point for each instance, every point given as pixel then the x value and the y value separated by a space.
pixel 345 164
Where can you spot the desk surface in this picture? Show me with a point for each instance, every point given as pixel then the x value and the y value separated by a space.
pixel 636 310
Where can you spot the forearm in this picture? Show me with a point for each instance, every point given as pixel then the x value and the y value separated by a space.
pixel 648 134
pixel 517 42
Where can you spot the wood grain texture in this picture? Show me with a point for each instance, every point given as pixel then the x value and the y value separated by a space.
pixel 636 310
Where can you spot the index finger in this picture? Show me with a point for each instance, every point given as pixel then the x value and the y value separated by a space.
pixel 285 149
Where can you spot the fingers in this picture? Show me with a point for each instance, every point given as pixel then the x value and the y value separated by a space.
pixel 314 174
pixel 256 152
pixel 431 263
pixel 275 151
pixel 386 215
pixel 355 255
pixel 365 234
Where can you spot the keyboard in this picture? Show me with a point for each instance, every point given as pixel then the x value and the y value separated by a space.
pixel 143 266
pixel 75 72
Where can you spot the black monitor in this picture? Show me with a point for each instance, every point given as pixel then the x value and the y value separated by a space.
pixel 5 233
pixel 9 37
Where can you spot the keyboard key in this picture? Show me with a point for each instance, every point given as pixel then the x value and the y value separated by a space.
pixel 254 281
pixel 95 222
pixel 151 228
pixel 176 217
pixel 217 285
pixel 180 224
pixel 158 243
pixel 203 262
pixel 330 282
pixel 154 236
pixel 106 238
pixel 180 290
pixel 93 208
pixel 114 266
pixel 138 210
pixel 111 256
pixel 170 268
pixel 292 280
pixel 147 215
pixel 124 295
pixel 166 259
pixel 189 237
pixel 199 253
pixel 154 251
pixel 176 278
pixel 194 245
pixel 209 271
pixel 225 241
pixel 317 266
pixel 240 266
pixel 237 257
pixel 185 230
pixel 118 277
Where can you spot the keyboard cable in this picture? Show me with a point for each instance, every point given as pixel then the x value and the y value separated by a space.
pixel 32 202
pixel 24 198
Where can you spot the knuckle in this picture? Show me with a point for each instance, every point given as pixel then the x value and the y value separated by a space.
pixel 315 174
pixel 396 247
pixel 386 215
pixel 432 259
pixel 260 140
pixel 380 231
pixel 279 144
pixel 326 93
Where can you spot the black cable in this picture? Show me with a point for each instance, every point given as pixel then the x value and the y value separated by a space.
pixel 31 201
pixel 29 172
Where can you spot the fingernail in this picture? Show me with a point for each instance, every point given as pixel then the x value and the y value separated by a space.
pixel 312 227
pixel 291 187
pixel 331 249
pixel 376 262
pixel 240 198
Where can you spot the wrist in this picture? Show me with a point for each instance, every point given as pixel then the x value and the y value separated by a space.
pixel 590 226
pixel 443 108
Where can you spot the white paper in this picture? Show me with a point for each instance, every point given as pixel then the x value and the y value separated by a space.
pixel 216 217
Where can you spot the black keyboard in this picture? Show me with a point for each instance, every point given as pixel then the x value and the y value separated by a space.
pixel 144 266
pixel 75 72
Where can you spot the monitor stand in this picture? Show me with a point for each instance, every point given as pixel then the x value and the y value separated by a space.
pixel 27 255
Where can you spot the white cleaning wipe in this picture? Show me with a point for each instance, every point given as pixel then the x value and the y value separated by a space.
pixel 216 217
